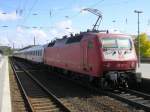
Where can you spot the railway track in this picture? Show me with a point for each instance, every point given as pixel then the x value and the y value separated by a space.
pixel 139 100
pixel 37 97
pixel 81 98
pixel 135 98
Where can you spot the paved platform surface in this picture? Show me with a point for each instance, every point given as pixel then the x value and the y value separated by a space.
pixel 145 70
pixel 5 100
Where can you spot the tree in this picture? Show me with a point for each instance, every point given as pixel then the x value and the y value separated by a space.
pixel 144 45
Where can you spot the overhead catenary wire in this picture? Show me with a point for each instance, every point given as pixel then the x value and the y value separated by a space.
pixel 30 10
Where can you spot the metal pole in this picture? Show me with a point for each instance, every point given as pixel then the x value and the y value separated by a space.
pixel 13 46
pixel 139 56
pixel 34 40
pixel 139 41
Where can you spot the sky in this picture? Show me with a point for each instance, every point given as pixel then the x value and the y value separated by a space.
pixel 23 20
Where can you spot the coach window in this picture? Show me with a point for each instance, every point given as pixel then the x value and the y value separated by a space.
pixel 41 52
pixel 38 53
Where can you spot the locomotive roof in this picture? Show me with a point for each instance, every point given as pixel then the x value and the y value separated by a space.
pixel 78 37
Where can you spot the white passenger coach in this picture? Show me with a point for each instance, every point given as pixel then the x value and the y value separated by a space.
pixel 32 53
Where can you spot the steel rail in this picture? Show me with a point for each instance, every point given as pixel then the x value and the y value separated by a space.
pixel 24 95
pixel 54 98
pixel 134 98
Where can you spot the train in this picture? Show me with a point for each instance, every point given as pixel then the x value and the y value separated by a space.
pixel 107 59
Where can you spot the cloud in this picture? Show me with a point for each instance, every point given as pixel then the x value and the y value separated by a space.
pixel 80 10
pixel 19 29
pixel 9 16
pixel 64 24
pixel 23 37
pixel 39 33
pixel 26 37
pixel 4 41
pixel 147 30
pixel 62 28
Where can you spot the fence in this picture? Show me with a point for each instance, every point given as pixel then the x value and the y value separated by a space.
pixel 145 60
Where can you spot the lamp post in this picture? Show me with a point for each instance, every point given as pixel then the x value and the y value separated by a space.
pixel 138 14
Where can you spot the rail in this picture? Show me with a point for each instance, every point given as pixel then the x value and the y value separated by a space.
pixel 33 103
pixel 135 98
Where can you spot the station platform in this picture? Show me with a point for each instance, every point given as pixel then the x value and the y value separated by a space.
pixel 145 70
pixel 5 99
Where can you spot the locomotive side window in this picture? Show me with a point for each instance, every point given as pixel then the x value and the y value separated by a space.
pixel 90 44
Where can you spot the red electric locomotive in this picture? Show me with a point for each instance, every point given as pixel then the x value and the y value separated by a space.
pixel 107 58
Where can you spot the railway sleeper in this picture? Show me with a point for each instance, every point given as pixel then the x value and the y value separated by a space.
pixel 52 110
pixel 39 104
pixel 137 99
pixel 40 99
pixel 130 96
pixel 45 107
pixel 143 101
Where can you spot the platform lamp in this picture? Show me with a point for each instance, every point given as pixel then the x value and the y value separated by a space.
pixel 138 14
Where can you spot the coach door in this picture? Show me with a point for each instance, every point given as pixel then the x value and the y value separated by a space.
pixel 85 54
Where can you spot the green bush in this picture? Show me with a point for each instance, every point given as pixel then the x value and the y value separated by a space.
pixel 144 45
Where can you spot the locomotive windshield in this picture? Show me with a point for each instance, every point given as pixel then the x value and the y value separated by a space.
pixel 116 43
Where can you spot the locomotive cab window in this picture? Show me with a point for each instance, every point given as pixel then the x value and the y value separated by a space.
pixel 123 43
pixel 109 43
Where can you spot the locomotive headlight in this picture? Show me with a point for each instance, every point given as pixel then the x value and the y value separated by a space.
pixel 132 64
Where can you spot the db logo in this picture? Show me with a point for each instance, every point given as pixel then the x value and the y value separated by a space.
pixel 120 55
